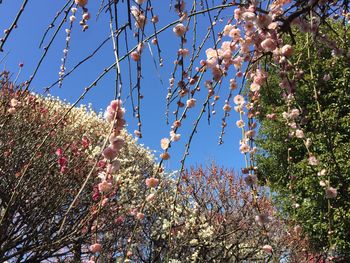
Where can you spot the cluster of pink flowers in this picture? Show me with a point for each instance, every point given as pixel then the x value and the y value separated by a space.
pixel 14 104
pixel 139 16
pixel 85 16
pixel 110 165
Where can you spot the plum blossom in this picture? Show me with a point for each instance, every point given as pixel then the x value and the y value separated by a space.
pixel 14 103
pixel 248 16
pixel 140 216
pixel 240 123
pixel 313 160
pixel 81 2
pixel 109 153
pixel 268 45
pixel 95 248
pixel 294 113
pixel 287 51
pixel 239 100
pixel 174 136
pixel 164 143
pixel 180 30
pixel 227 108
pixel 244 148
pixel 322 183
pixel 105 187
pixel 135 56
pixel 326 77
pixel 331 192
pixel 165 156
pixel 299 134
pixel 191 103
pixel 267 249
pixel 152 182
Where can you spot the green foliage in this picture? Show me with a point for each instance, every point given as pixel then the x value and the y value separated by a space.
pixel 325 119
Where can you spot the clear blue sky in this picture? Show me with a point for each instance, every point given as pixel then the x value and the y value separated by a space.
pixel 23 47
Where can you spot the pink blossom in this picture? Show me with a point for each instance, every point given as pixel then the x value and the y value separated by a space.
pixel 322 183
pixel 11 110
pixel 239 100
pixel 150 197
pixel 240 123
pixel 174 137
pixel 119 124
pixel 85 142
pixel 237 13
pixel 116 104
pixel 250 133
pixel 331 192
pixel 227 30
pixel 140 216
pixel 248 16
pixel 235 33
pixel 81 2
pixel 14 103
pixel 254 87
pixel 95 195
pixel 313 161
pixel 117 143
pixel 233 84
pixel 59 152
pixel 165 156
pixel 109 153
pixel 267 249
pixel 86 16
pixel 299 134
pixel 104 201
pixel 164 143
pixel 135 56
pixel 294 113
pixel 152 182
pixel 287 51
pixel 227 108
pixel 249 26
pixel 95 248
pixel 183 52
pixel 119 220
pixel 191 103
pixel 105 187
pixel 244 148
pixel 62 161
pixel 268 45
pixel 180 30
pixel 326 77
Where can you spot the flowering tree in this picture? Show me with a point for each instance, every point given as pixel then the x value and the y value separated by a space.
pixel 245 41
pixel 37 190
pixel 213 212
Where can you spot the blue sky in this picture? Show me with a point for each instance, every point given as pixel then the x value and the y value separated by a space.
pixel 22 46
